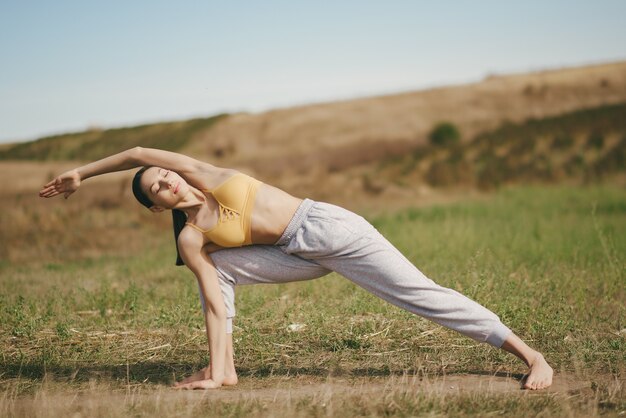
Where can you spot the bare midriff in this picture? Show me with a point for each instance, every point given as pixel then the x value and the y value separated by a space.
pixel 273 209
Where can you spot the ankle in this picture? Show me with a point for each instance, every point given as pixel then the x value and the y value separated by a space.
pixel 534 358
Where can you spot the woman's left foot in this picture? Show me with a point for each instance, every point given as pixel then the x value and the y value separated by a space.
pixel 540 374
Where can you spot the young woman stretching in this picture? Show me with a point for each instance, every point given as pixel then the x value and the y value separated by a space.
pixel 222 209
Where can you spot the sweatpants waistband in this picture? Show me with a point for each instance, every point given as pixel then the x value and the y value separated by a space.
pixel 298 217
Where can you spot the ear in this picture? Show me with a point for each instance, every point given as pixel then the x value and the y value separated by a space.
pixel 156 209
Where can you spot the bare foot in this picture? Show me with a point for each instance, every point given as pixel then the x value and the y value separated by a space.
pixel 230 378
pixel 540 374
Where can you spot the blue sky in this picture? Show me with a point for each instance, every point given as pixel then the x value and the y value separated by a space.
pixel 67 65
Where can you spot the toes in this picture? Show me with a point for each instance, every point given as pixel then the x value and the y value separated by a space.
pixel 530 385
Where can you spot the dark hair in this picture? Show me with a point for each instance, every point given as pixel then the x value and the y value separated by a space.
pixel 178 216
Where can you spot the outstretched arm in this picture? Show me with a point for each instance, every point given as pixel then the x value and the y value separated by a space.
pixel 189 168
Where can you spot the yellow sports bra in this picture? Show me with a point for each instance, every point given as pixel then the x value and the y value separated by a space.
pixel 235 198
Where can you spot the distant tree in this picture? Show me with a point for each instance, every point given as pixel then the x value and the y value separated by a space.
pixel 444 134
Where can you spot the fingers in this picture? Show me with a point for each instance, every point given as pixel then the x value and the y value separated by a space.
pixel 55 189
pixel 198 384
pixel 185 381
pixel 49 192
pixel 47 189
pixel 197 376
pixel 186 386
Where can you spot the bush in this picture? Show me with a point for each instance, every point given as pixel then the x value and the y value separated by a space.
pixel 595 141
pixel 444 134
pixel 562 142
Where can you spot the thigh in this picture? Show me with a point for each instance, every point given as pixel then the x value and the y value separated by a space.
pixel 258 264
pixel 263 264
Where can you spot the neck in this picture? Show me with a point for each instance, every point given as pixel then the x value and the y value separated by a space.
pixel 191 204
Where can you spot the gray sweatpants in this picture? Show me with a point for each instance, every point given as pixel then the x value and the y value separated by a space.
pixel 321 238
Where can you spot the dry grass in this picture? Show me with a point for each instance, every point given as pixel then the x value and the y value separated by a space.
pixel 104 334
pixel 408 117
pixel 464 395
pixel 95 320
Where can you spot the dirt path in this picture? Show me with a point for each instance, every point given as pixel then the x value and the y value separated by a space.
pixel 286 389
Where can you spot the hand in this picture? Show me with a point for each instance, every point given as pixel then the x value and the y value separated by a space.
pixel 230 378
pixel 199 375
pixel 67 183
pixel 198 384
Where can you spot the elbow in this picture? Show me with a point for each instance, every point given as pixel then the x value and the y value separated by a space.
pixel 135 155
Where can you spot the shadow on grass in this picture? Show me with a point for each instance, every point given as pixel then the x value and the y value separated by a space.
pixel 167 372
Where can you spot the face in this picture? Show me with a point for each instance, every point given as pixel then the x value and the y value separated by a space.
pixel 163 187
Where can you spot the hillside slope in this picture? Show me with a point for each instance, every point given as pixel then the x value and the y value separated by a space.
pixel 583 146
pixel 99 143
pixel 547 126
pixel 305 137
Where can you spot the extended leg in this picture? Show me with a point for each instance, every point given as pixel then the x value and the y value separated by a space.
pixel 377 266
pixel 346 243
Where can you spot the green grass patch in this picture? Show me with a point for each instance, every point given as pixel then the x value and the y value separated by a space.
pixel 548 260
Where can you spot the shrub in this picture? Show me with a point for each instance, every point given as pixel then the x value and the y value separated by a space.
pixel 575 165
pixel 444 134
pixel 447 173
pixel 595 141
pixel 613 161
pixel 562 142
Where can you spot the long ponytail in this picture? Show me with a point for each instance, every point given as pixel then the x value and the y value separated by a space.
pixel 178 219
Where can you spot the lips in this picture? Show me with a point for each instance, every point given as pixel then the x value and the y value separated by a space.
pixel 176 188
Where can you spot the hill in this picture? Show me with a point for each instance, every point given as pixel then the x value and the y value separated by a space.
pixel 317 135
pixel 584 145
pixel 97 143
pixel 519 127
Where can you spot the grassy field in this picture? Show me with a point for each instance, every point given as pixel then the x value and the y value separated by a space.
pixel 103 332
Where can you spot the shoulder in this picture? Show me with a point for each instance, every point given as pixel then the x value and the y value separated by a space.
pixel 220 176
pixel 190 244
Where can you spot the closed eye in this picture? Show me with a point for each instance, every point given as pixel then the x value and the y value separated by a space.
pixel 157 184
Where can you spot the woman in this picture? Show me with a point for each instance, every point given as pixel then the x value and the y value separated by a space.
pixel 216 208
